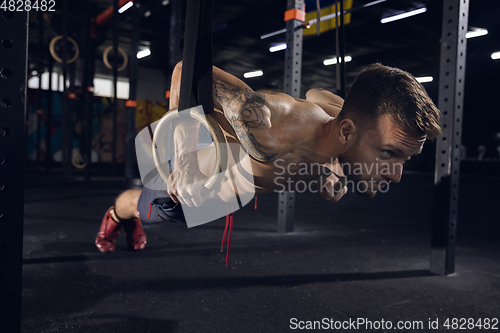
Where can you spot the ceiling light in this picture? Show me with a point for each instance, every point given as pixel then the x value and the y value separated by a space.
pixel 277 47
pixel 424 79
pixel 143 53
pixel 403 15
pixel 333 61
pixel 476 32
pixel 495 55
pixel 253 74
pixel 165 2
pixel 125 7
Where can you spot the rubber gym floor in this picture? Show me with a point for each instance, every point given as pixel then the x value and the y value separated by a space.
pixel 357 260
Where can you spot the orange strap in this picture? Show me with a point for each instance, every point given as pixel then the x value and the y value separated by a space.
pixel 295 14
pixel 167 94
pixel 131 104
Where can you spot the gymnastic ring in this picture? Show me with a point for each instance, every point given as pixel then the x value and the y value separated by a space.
pixel 106 61
pixel 219 142
pixel 52 49
pixel 76 162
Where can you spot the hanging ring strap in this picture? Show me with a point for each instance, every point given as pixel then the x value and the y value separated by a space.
pixel 218 139
pixel 196 77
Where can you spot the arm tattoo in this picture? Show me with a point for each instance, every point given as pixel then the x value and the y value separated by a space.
pixel 243 108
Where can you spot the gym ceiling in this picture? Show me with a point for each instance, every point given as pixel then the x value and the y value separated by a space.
pixel 412 43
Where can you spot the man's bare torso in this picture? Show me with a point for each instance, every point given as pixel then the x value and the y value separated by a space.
pixel 284 145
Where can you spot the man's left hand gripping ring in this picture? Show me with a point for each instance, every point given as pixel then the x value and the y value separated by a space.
pixel 217 137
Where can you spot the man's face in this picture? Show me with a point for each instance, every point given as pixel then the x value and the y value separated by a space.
pixel 377 156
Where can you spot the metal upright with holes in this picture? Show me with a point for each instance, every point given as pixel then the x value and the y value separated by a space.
pixel 340 48
pixel 451 94
pixel 293 65
pixel 13 68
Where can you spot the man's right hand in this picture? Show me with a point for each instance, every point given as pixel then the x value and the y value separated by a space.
pixel 333 187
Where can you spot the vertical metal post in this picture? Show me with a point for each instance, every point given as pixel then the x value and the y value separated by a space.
pixel 115 79
pixel 130 144
pixel 89 92
pixel 39 110
pixel 451 93
pixel 13 69
pixel 48 120
pixel 340 48
pixel 71 110
pixel 66 144
pixel 293 67
pixel 85 83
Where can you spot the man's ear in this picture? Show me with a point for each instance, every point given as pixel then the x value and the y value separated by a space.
pixel 347 132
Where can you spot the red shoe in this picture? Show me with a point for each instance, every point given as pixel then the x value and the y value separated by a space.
pixel 136 238
pixel 106 238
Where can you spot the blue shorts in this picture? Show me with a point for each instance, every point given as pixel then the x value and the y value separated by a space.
pixel 156 206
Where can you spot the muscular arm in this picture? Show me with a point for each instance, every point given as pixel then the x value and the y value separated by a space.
pixel 245 110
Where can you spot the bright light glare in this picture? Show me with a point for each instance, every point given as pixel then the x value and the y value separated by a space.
pixel 476 33
pixel 143 53
pixel 125 7
pixel 403 15
pixel 253 74
pixel 333 61
pixel 278 47
pixel 495 55
pixel 424 79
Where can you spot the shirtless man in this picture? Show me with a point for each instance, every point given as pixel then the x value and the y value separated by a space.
pixel 386 118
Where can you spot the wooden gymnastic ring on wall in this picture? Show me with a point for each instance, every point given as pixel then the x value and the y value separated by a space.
pixel 219 142
pixel 106 61
pixel 76 162
pixel 52 49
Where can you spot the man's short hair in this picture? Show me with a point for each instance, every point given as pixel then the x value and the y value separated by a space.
pixel 382 90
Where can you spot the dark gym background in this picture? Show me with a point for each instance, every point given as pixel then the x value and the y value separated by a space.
pixel 354 259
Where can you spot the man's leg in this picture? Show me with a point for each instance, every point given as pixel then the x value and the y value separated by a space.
pixel 154 206
pixel 123 214
pixel 126 205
